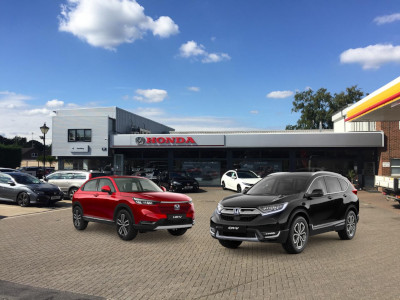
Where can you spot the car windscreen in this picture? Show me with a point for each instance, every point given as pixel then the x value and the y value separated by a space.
pixel 24 178
pixel 136 185
pixel 242 174
pixel 179 175
pixel 280 185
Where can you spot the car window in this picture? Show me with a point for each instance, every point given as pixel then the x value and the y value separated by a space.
pixel 229 174
pixel 282 185
pixel 344 184
pixel 54 176
pixel 332 184
pixel 90 186
pixel 105 181
pixel 129 185
pixel 23 178
pixel 242 174
pixel 79 176
pixel 317 184
pixel 4 178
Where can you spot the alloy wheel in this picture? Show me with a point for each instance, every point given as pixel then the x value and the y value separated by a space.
pixel 299 235
pixel 123 224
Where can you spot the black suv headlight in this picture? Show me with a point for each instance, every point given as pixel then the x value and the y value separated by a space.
pixel 272 208
pixel 145 201
pixel 220 207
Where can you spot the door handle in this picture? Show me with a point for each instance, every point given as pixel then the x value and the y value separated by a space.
pixel 329 197
pixel 344 195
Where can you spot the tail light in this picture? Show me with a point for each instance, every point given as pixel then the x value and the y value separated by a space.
pixel 90 175
pixel 354 190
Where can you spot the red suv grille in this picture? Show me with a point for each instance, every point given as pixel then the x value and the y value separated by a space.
pixel 169 208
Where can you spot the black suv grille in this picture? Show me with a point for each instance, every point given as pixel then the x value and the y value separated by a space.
pixel 246 218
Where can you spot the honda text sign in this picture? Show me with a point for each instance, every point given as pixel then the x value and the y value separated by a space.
pixel 167 140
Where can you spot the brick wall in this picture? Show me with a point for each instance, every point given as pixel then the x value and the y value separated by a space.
pixel 392 145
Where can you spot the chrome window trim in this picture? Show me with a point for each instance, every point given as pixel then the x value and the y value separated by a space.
pixel 341 191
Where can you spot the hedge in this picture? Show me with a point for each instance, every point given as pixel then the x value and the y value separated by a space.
pixel 10 156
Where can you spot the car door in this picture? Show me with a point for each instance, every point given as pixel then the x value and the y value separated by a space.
pixel 319 206
pixel 105 202
pixel 230 180
pixel 5 187
pixel 336 196
pixel 88 199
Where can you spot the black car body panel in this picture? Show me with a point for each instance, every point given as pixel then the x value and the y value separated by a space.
pixel 178 181
pixel 240 217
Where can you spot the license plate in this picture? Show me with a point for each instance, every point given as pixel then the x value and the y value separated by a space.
pixel 55 197
pixel 234 228
pixel 188 187
pixel 176 217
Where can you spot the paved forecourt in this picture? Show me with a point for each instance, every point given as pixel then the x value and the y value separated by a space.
pixel 44 251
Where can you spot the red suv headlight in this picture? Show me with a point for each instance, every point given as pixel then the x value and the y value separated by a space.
pixel 145 201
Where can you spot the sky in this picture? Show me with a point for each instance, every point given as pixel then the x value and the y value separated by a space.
pixel 200 65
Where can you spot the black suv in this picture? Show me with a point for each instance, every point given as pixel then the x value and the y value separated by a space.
pixel 178 181
pixel 287 208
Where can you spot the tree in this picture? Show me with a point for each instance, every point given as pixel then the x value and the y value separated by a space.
pixel 320 106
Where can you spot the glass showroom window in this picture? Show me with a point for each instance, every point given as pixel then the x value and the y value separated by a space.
pixel 79 135
pixel 395 166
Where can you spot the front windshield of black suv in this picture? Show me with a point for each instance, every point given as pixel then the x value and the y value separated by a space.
pixel 287 184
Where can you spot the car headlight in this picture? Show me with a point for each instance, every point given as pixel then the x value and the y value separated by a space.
pixel 273 208
pixel 145 201
pixel 176 183
pixel 220 207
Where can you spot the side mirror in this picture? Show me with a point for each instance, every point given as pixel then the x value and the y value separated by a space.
pixel 315 193
pixel 246 189
pixel 106 189
pixel 12 183
pixel 163 188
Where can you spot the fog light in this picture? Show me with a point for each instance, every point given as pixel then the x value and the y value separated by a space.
pixel 269 234
pixel 212 231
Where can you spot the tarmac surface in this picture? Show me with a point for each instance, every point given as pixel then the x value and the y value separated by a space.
pixel 42 256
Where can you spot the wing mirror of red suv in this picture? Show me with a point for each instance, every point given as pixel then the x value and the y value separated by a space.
pixel 106 189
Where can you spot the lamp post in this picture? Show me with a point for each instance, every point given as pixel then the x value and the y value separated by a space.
pixel 44 129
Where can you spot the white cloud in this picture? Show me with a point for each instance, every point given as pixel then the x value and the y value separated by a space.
pixel 12 100
pixel 280 94
pixel 254 112
pixel 148 112
pixel 38 111
pixel 55 103
pixel 387 19
pixel 193 50
pixel 110 23
pixel 193 89
pixel 151 95
pixel 372 57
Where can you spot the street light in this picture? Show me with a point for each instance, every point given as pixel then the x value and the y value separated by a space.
pixel 44 129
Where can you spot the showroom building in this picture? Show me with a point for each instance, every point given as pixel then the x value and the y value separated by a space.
pixel 112 139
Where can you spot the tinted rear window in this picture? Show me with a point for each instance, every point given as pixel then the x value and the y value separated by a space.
pixel 332 184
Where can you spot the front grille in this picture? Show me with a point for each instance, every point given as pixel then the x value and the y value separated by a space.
pixel 244 218
pixel 166 208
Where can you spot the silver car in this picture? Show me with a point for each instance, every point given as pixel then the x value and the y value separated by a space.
pixel 24 189
pixel 69 181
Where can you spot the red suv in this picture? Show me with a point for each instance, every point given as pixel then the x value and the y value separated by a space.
pixel 134 204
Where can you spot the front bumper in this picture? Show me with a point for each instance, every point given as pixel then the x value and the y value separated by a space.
pixel 46 199
pixel 165 224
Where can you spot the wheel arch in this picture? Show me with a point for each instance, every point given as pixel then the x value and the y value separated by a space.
pixel 299 212
pixel 120 207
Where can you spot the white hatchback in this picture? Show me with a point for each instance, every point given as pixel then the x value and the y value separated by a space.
pixel 238 180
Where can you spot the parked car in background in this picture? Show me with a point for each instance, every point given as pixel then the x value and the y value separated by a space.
pixel 69 181
pixel 239 180
pixel 8 170
pixel 287 208
pixel 133 204
pixel 36 171
pixel 25 189
pixel 178 181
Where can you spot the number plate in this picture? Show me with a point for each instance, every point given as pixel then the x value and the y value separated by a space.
pixel 234 228
pixel 55 197
pixel 176 217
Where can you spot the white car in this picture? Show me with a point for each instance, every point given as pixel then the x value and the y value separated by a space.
pixel 238 180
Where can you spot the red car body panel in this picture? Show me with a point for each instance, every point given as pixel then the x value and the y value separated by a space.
pixel 103 205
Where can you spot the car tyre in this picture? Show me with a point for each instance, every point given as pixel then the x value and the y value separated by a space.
pixel 350 227
pixel 178 231
pixel 230 244
pixel 77 218
pixel 239 188
pixel 125 228
pixel 23 199
pixel 298 236
pixel 71 192
pixel 223 185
